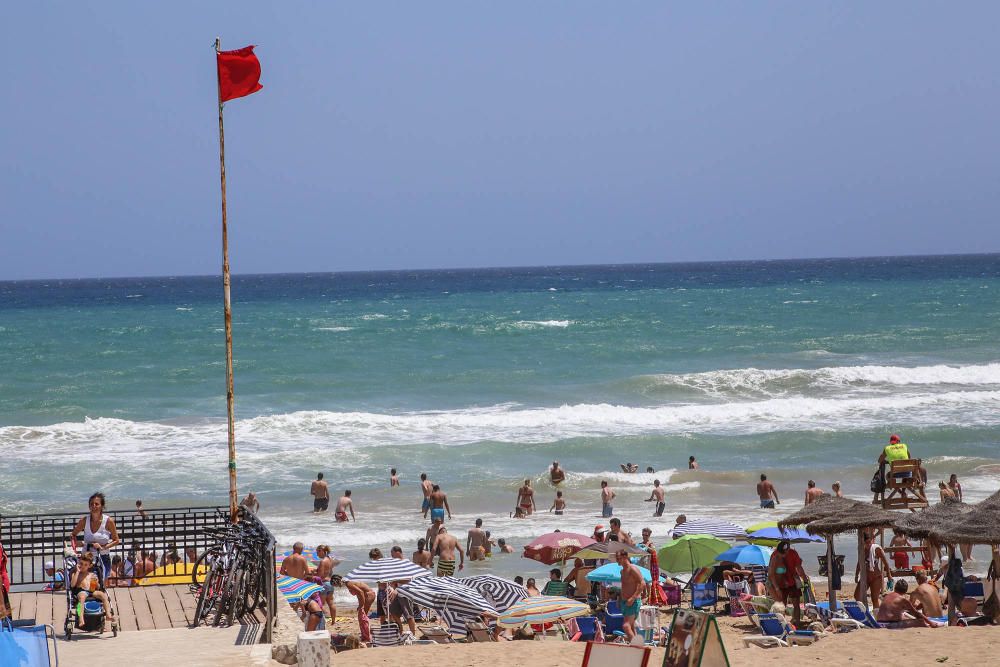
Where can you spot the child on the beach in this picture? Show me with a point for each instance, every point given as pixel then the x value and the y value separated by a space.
pixel 558 505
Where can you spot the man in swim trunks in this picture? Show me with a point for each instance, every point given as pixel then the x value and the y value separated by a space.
pixel 895 603
pixel 616 534
pixel 607 495
pixel 812 493
pixel 439 503
pixel 427 487
pixel 393 478
pixel 320 493
pixel 526 498
pixel 432 534
pixel 556 474
pixel 475 547
pixel 631 596
pixel 296 565
pixel 692 463
pixel 446 546
pixel 657 495
pixel 767 493
pixel 343 505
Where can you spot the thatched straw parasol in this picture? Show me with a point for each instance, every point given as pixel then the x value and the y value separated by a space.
pixel 942 515
pixel 829 515
pixel 980 525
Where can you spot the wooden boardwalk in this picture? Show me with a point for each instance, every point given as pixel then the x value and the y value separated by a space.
pixel 137 607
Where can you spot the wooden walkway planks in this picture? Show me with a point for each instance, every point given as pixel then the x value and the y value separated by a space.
pixel 137 607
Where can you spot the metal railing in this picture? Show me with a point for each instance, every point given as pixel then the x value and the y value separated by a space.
pixel 173 535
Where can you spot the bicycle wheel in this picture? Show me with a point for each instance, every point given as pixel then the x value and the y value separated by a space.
pixel 207 595
pixel 205 560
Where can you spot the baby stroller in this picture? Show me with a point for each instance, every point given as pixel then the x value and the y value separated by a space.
pixel 91 611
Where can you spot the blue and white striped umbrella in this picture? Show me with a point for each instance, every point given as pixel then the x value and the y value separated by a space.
pixel 454 602
pixel 502 593
pixel 387 569
pixel 716 527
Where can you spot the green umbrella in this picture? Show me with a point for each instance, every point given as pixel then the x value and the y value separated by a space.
pixel 690 552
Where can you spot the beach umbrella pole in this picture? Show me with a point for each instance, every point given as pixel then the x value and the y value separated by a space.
pixel 831 594
pixel 862 568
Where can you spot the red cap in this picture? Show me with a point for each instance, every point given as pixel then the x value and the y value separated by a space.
pixel 893 438
pixel 598 528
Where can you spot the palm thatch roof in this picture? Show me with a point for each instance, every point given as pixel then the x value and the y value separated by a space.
pixel 941 515
pixel 980 525
pixel 829 515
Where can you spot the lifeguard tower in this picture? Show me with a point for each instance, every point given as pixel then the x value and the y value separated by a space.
pixel 904 486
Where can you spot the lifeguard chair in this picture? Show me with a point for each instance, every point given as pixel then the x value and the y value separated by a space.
pixel 904 487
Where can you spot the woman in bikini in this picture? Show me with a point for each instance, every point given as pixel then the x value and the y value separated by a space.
pixel 84 584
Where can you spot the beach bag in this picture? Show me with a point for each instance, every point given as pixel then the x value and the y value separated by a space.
pixel 878 482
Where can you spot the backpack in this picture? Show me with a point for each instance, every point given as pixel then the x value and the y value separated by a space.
pixel 878 483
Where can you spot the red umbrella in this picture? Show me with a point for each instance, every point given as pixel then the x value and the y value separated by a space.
pixel 555 547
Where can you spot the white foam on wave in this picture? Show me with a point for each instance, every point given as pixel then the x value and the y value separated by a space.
pixel 534 324
pixel 327 431
pixel 619 477
pixel 779 381
pixel 335 329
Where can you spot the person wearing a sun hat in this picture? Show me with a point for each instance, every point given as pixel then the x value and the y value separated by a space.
pixel 58 580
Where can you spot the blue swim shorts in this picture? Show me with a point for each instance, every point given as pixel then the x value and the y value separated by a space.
pixel 437 513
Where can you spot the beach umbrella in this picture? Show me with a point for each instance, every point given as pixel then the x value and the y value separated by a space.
pixel 747 554
pixel 502 593
pixel 717 527
pixel 612 572
pixel 690 552
pixel 607 550
pixel 555 547
pixel 387 569
pixel 296 590
pixel 761 524
pixel 455 602
pixel 542 609
pixel 771 536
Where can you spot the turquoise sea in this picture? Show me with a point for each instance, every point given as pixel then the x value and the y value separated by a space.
pixel 800 369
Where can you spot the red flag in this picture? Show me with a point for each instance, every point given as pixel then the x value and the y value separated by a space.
pixel 239 73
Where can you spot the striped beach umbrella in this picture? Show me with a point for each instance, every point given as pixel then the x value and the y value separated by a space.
pixel 296 590
pixel 387 569
pixel 454 602
pixel 716 527
pixel 607 550
pixel 771 536
pixel 501 592
pixel 542 609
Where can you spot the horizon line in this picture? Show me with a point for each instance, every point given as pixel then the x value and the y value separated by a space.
pixel 513 267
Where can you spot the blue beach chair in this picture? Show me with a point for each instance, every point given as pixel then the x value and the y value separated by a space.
pixel 838 619
pixel 587 625
pixel 704 595
pixel 777 633
pixel 860 613
pixel 27 646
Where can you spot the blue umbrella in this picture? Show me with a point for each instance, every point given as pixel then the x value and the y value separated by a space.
pixel 612 572
pixel 793 535
pixel 747 554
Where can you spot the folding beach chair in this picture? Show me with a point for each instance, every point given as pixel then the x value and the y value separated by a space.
pixel 586 628
pixel 860 613
pixel 778 633
pixel 477 632
pixel 734 590
pixel 436 634
pixel 27 645
pixel 614 621
pixel 386 635
pixel 838 619
pixel 704 595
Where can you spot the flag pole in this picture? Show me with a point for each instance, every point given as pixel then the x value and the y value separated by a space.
pixel 228 305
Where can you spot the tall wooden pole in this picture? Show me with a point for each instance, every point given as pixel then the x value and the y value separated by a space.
pixel 830 564
pixel 227 308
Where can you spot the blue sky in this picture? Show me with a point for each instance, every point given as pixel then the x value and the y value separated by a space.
pixel 424 135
